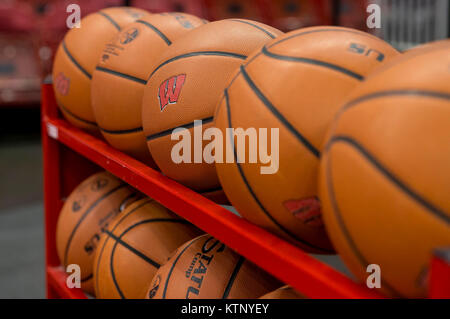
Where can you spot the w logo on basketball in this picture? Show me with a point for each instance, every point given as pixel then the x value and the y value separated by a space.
pixel 169 90
pixel 62 84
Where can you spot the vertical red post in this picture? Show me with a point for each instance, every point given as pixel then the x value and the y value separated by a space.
pixel 440 274
pixel 52 196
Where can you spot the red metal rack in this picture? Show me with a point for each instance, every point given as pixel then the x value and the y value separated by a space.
pixel 70 155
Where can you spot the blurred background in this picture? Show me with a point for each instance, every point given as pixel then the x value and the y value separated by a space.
pixel 30 31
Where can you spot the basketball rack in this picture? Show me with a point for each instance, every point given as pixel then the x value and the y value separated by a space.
pixel 71 155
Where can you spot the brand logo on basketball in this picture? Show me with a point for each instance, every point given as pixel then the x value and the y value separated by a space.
pixel 306 209
pixel 169 90
pixel 129 35
pixel 78 203
pixel 99 184
pixel 62 84
pixel 155 287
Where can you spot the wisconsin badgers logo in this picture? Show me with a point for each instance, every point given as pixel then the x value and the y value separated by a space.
pixel 306 209
pixel 169 90
pixel 62 84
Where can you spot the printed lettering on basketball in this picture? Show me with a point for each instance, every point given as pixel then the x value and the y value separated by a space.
pixel 169 91
pixel 78 203
pixel 185 23
pixel 363 50
pixel 155 287
pixel 199 266
pixel 129 35
pixel 99 184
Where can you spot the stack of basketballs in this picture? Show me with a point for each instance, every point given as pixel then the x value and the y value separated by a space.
pixel 356 158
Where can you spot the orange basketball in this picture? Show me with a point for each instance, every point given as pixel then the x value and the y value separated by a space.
pixel 291 88
pixel 89 209
pixel 204 268
pixel 385 174
pixel 186 86
pixel 429 46
pixel 119 79
pixel 77 57
pixel 285 292
pixel 134 246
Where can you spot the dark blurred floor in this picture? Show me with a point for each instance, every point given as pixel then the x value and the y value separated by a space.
pixel 21 208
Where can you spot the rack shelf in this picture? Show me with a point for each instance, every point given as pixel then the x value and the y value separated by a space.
pixel 62 173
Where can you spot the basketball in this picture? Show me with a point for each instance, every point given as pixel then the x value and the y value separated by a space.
pixel 185 86
pixel 204 268
pixel 285 292
pixel 89 209
pixel 77 56
pixel 384 173
pixel 119 79
pixel 134 247
pixel 429 46
pixel 291 88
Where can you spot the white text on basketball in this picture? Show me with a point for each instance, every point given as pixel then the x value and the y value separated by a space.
pixel 235 150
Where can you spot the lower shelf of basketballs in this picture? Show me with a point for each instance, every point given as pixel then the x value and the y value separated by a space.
pixel 285 261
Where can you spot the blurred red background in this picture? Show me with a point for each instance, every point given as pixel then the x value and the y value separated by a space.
pixel 30 30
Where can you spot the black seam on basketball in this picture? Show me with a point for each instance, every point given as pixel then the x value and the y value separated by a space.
pixel 277 113
pixel 200 53
pixel 156 30
pixel 403 92
pixel 255 26
pixel 118 240
pixel 114 23
pixel 132 249
pixel 175 262
pixel 86 278
pixel 233 277
pixel 323 30
pixel 111 269
pixel 235 76
pixel 74 61
pixel 86 213
pixel 76 116
pixel 327 65
pixel 440 214
pixel 170 130
pixel 112 230
pixel 122 75
pixel 247 62
pixel 361 259
pixel 131 130
pixel 252 193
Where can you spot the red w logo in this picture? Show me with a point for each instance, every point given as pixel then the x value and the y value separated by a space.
pixel 170 89
pixel 62 84
pixel 306 209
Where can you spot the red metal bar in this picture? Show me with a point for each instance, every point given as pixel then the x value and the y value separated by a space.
pixel 52 202
pixel 280 258
pixel 440 275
